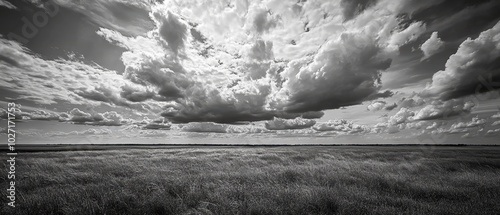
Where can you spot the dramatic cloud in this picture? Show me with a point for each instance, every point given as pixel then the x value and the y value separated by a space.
pixel 432 46
pixel 472 69
pixel 265 61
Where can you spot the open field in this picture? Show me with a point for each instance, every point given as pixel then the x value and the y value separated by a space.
pixel 259 180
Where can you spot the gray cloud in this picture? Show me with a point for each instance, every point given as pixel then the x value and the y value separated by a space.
pixel 351 8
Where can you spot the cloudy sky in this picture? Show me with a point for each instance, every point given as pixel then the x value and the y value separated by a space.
pixel 358 71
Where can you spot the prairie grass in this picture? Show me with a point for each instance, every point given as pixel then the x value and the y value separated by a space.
pixel 253 180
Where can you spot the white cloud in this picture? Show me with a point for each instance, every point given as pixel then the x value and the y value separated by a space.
pixel 450 108
pixel 431 46
pixel 473 123
pixel 376 105
pixel 411 33
pixel 341 126
pixel 493 132
pixel 283 124
pixel 496 116
pixel 402 116
pixel 474 59
pixel 495 123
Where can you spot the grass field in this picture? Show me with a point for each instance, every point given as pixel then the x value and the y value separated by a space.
pixel 259 180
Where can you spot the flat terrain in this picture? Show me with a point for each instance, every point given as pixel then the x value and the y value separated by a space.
pixel 258 180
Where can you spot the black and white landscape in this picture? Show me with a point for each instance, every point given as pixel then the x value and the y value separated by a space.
pixel 250 107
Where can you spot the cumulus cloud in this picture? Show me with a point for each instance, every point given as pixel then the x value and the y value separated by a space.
pixel 432 45
pixel 266 60
pixel 283 124
pixel 496 116
pixel 495 123
pixel 221 128
pixel 410 102
pixel 77 116
pixel 476 121
pixel 376 105
pixel 402 116
pixel 341 126
pixel 440 110
pixel 493 132
pixel 44 115
pixel 472 69
pixel 379 105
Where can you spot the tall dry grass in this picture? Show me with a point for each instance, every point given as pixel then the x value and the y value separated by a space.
pixel 281 180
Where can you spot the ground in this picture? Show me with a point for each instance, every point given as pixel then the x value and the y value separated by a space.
pixel 258 180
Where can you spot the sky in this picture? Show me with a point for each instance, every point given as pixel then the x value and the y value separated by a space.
pixel 273 71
